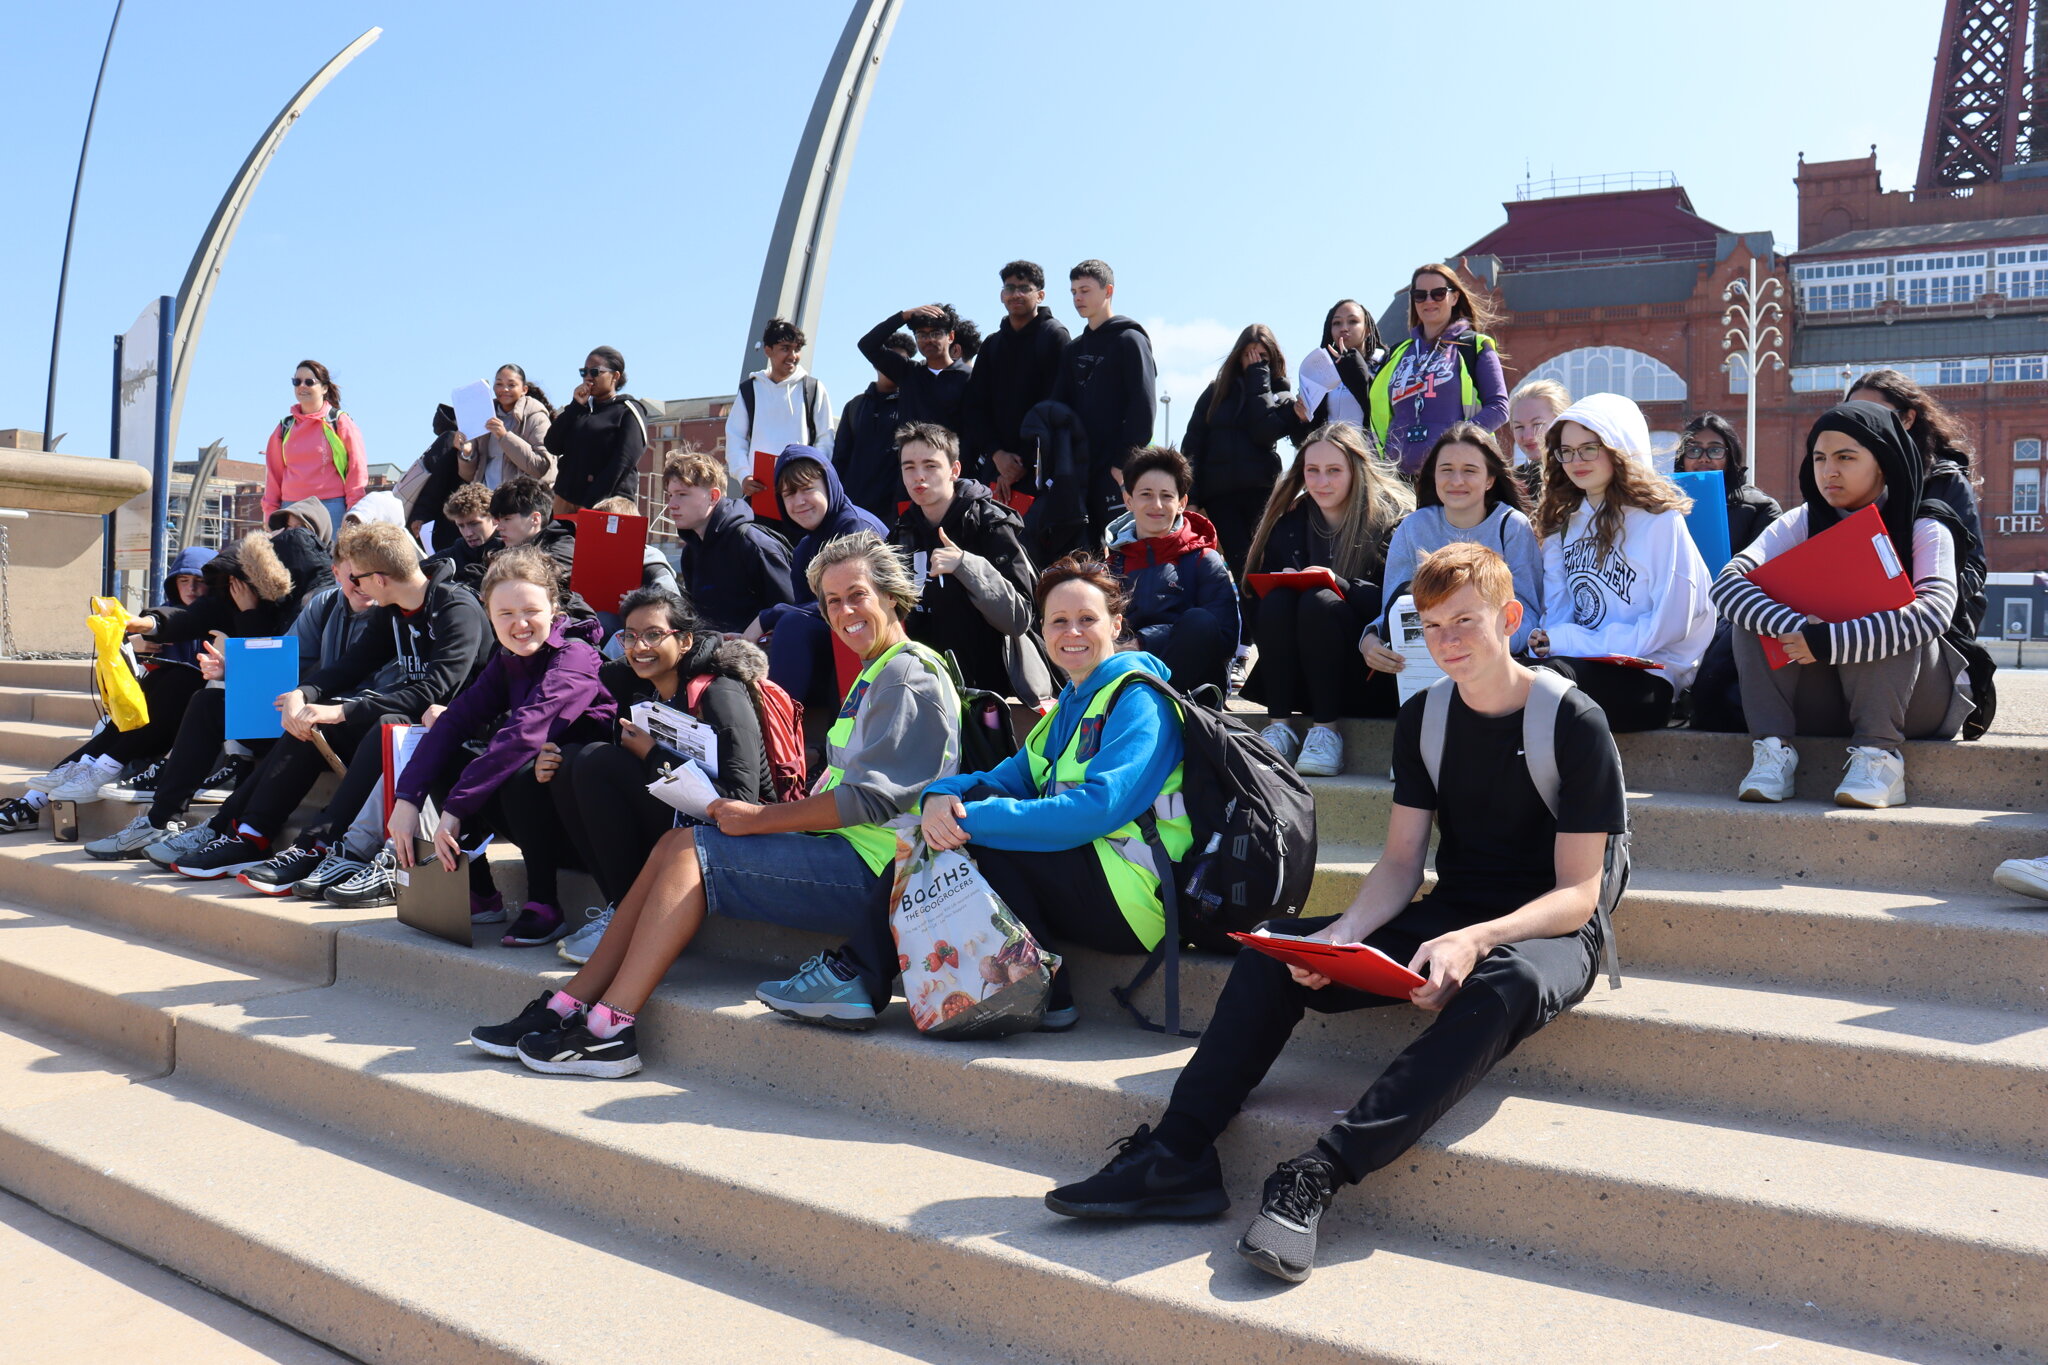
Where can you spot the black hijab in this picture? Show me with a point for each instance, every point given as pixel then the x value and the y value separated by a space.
pixel 1878 430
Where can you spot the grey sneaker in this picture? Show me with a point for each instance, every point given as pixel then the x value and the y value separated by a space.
pixel 1280 735
pixel 131 839
pixel 578 947
pixel 376 884
pixel 337 867
pixel 823 991
pixel 183 844
pixel 1322 753
pixel 1282 1239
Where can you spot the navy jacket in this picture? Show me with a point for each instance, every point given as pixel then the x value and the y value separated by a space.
pixel 864 451
pixel 1167 576
pixel 734 568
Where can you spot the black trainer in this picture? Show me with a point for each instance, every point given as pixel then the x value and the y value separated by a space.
pixel 17 815
pixel 1282 1239
pixel 573 1050
pixel 502 1040
pixel 228 855
pixel 1144 1180
pixel 281 872
pixel 220 784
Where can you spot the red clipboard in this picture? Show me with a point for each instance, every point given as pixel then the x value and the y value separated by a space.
pixel 1020 503
pixel 1301 580
pixel 1625 660
pixel 763 502
pixel 1356 965
pixel 609 548
pixel 1847 571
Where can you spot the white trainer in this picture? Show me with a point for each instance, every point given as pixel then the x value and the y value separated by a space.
pixel 1770 771
pixel 1283 739
pixel 86 782
pixel 133 837
pixel 57 776
pixel 2028 876
pixel 1876 778
pixel 1322 753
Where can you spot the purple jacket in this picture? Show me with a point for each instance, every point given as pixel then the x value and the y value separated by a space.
pixel 1426 377
pixel 522 703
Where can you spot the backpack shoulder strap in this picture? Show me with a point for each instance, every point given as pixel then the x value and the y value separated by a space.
pixel 693 691
pixel 1539 733
pixel 747 402
pixel 810 392
pixel 1436 714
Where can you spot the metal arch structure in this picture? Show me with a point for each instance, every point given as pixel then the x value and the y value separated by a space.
pixel 793 276
pixel 204 272
pixel 1978 118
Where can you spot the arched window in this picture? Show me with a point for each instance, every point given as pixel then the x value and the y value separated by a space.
pixel 1613 369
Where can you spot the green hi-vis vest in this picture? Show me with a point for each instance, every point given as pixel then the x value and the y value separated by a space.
pixel 876 844
pixel 1126 858
pixel 1382 411
pixel 335 449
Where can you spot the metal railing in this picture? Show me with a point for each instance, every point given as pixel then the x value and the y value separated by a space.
pixel 1616 255
pixel 1614 182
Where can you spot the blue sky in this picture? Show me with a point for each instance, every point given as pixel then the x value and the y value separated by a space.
pixel 521 181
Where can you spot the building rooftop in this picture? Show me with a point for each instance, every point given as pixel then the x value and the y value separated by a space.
pixel 1877 342
pixel 1575 229
pixel 1870 240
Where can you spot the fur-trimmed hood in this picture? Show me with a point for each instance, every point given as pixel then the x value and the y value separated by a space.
pixel 257 564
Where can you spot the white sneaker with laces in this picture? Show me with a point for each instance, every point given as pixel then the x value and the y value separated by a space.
pixel 1281 736
pixel 2028 876
pixel 56 777
pixel 87 782
pixel 1771 767
pixel 578 946
pixel 1876 778
pixel 1322 753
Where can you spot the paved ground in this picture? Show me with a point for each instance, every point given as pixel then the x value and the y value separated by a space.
pixel 73 1298
pixel 2022 702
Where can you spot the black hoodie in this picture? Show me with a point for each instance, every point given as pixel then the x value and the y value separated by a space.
pixel 982 612
pixel 864 450
pixel 1107 377
pixel 1232 449
pixel 438 648
pixel 600 446
pixel 927 397
pixel 733 567
pixel 1014 373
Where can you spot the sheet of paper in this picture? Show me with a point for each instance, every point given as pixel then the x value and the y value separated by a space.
pixel 687 789
pixel 473 407
pixel 678 730
pixel 1316 376
pixel 1404 623
pixel 920 572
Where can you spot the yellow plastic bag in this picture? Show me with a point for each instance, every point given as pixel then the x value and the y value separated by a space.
pixel 120 690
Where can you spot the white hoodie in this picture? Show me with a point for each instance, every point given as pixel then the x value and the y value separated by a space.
pixel 1648 596
pixel 778 419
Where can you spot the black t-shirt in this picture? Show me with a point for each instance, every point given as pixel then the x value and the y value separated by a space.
pixel 1496 841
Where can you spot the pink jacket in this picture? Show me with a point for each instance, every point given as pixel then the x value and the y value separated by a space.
pixel 306 469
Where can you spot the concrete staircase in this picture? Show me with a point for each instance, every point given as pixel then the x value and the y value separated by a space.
pixel 1812 1125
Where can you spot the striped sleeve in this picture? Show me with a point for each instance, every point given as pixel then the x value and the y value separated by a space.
pixel 1742 602
pixel 1884 634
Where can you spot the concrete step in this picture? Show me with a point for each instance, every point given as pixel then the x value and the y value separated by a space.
pixel 1998 772
pixel 393 1261
pixel 873 1212
pixel 39 745
pixel 55 708
pixel 50 675
pixel 74 1297
pixel 1901 945
pixel 1913 847
pixel 120 992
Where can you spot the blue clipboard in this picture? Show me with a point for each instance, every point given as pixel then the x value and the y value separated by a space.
pixel 257 671
pixel 1708 520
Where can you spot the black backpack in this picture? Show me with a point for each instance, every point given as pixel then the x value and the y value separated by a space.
pixel 986 735
pixel 1254 854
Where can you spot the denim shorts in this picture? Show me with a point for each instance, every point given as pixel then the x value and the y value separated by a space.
pixel 799 881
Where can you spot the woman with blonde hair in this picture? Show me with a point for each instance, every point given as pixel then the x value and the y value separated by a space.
pixel 1532 408
pixel 1448 370
pixel 1625 609
pixel 1335 509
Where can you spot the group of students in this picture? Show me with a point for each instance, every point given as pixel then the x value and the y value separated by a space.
pixel 1562 589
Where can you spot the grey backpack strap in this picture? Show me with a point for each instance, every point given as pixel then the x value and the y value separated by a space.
pixel 1539 749
pixel 1436 712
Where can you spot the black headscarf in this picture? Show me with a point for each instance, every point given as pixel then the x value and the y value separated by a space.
pixel 1878 430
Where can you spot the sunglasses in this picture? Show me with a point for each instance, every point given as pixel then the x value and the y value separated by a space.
pixel 1436 295
pixel 592 374
pixel 299 383
pixel 355 580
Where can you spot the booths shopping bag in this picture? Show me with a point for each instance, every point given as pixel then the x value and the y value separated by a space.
pixel 113 665
pixel 970 968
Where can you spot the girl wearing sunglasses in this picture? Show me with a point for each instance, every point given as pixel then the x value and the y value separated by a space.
pixel 599 437
pixel 1447 371
pixel 316 451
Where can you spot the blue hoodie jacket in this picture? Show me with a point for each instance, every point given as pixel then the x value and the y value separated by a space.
pixel 192 560
pixel 842 518
pixel 1140 744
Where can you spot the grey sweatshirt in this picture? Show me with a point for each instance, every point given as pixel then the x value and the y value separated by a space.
pixel 906 735
pixel 1426 530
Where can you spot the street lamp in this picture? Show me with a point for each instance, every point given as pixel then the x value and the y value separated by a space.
pixel 1750 334
pixel 1166 401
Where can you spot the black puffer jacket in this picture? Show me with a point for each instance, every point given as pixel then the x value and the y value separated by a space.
pixel 599 448
pixel 1750 511
pixel 727 706
pixel 281 567
pixel 1232 448
pixel 1949 482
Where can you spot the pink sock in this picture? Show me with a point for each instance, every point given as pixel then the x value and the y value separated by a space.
pixel 606 1022
pixel 565 1004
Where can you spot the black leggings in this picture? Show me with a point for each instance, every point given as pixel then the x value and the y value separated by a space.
pixel 600 796
pixel 1514 991
pixel 1235 515
pixel 193 755
pixel 167 690
pixel 1061 897
pixel 1309 660
pixel 1198 649
pixel 1633 698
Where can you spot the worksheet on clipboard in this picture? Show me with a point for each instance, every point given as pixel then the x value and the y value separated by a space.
pixel 1404 624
